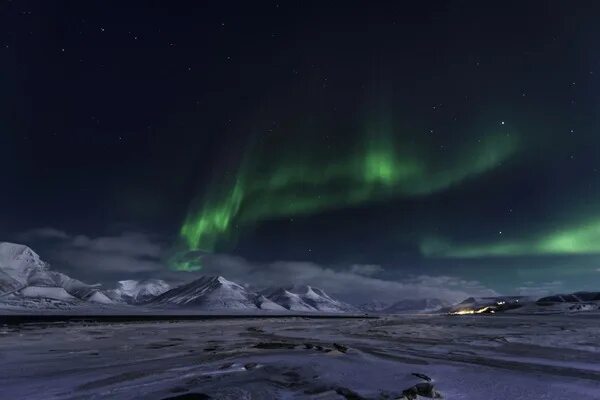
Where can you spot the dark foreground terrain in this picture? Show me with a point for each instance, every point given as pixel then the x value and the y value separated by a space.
pixel 499 357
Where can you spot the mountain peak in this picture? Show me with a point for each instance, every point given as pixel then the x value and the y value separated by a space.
pixel 16 248
pixel 24 273
pixel 210 292
pixel 138 292
pixel 20 262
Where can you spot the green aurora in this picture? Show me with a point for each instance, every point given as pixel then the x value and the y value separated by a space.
pixel 382 169
pixel 582 239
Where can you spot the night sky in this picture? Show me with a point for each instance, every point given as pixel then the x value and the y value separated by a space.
pixel 436 138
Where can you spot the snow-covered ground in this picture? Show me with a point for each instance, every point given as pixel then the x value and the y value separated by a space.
pixel 482 357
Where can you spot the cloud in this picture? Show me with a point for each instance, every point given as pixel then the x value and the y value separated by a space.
pixel 127 243
pixel 103 263
pixel 125 255
pixel 346 284
pixel 366 269
pixel 135 255
pixel 539 289
pixel 104 258
pixel 42 233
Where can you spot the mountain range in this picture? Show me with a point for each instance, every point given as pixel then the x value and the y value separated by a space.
pixel 27 281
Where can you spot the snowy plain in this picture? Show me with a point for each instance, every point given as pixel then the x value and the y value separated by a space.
pixel 482 357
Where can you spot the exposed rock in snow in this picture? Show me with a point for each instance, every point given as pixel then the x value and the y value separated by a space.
pixel 288 300
pixel 306 299
pixel 74 287
pixel 321 301
pixel 99 297
pixel 8 283
pixel 264 303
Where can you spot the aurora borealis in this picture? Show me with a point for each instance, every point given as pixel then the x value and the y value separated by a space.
pixel 582 239
pixel 380 172
pixel 425 139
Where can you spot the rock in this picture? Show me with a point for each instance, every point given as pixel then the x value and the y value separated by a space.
pixel 424 389
pixel 250 365
pixel 274 345
pixel 410 393
pixel 348 394
pixel 178 389
pixel 340 348
pixel 308 346
pixel 422 376
pixel 226 365
pixel 189 396
pixel 292 375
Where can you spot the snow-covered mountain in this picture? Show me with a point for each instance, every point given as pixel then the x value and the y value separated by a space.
pixel 318 299
pixel 209 293
pixel 559 303
pixel 19 265
pixel 267 304
pixel 288 300
pixel 572 302
pixel 24 274
pixel 212 293
pixel 307 299
pixel 138 292
pixel 26 278
pixel 577 297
